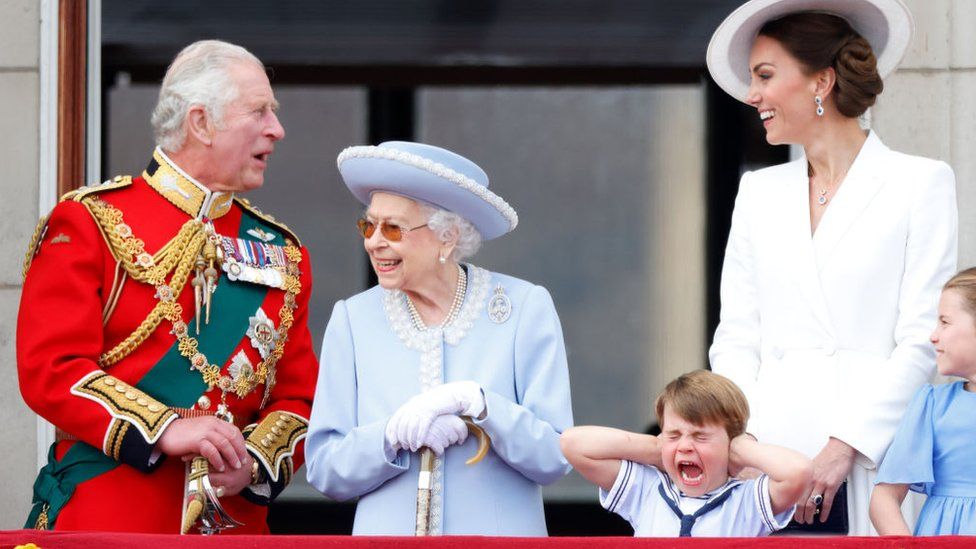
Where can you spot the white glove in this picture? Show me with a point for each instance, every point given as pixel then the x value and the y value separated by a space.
pixel 464 398
pixel 445 431
pixel 408 426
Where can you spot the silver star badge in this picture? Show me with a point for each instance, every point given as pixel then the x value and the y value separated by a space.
pixel 264 336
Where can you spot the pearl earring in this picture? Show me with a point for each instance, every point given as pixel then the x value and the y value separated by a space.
pixel 819 103
pixel 442 260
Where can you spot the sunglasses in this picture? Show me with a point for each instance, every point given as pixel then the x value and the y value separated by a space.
pixel 390 231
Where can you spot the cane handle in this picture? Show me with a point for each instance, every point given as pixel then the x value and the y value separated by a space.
pixel 484 441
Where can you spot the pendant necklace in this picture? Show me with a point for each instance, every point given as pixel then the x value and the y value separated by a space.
pixel 822 195
pixel 822 198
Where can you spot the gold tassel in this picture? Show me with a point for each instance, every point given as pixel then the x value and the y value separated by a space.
pixel 210 273
pixel 199 290
pixel 42 522
pixel 193 510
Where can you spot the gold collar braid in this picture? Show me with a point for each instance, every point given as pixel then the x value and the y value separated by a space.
pixel 184 192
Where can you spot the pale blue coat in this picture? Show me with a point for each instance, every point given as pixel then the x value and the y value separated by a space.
pixel 368 371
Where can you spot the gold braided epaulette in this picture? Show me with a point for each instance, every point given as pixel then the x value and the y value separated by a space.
pixel 117 182
pixel 76 195
pixel 246 204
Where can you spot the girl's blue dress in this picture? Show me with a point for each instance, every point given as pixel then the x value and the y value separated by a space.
pixel 934 451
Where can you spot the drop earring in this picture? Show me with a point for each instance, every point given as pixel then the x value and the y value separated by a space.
pixel 819 103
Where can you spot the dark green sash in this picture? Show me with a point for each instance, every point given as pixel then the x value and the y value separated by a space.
pixel 169 381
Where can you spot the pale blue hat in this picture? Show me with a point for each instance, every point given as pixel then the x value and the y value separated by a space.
pixel 429 174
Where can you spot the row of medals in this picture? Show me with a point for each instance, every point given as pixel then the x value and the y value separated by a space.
pixel 241 260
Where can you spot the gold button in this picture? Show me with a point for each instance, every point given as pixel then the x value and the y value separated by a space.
pixel 131 395
pixel 279 423
pixel 275 430
pixel 109 381
pixel 203 402
pixel 142 402
pixel 121 388
pixel 265 443
pixel 284 418
pixel 153 407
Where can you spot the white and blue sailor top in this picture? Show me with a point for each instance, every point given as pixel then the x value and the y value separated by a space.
pixel 647 498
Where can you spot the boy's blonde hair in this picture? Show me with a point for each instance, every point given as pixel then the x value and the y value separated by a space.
pixel 965 284
pixel 703 397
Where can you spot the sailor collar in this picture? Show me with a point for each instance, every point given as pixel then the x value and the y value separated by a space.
pixel 672 492
pixel 183 191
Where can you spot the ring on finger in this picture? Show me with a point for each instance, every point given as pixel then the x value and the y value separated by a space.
pixel 817 500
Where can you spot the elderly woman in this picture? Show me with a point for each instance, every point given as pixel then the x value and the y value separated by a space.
pixel 437 339
pixel 835 260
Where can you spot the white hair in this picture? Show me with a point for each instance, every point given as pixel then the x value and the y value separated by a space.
pixel 446 224
pixel 199 75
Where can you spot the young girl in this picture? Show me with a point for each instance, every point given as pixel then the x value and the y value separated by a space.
pixel 934 449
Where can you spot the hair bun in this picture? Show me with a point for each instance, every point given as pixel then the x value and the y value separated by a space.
pixel 858 82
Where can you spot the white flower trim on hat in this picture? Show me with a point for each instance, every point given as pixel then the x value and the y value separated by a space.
pixel 436 168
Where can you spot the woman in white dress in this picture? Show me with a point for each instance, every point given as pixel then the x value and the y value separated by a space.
pixel 835 260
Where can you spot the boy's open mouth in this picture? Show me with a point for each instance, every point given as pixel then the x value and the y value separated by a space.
pixel 691 473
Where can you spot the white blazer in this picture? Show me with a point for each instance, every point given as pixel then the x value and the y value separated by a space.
pixel 829 335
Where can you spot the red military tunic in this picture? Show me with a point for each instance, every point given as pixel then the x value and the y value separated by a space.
pixel 105 355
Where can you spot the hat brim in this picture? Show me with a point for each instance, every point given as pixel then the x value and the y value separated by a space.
pixel 367 174
pixel 886 24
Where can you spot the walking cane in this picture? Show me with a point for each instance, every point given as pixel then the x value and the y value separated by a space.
pixel 426 479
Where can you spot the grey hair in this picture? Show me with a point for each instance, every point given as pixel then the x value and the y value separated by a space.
pixel 199 75
pixel 444 223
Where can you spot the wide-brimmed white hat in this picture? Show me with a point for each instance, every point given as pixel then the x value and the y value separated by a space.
pixel 429 174
pixel 886 24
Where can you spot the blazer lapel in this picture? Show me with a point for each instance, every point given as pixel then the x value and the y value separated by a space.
pixel 861 185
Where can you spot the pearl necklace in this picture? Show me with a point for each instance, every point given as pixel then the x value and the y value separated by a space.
pixel 459 291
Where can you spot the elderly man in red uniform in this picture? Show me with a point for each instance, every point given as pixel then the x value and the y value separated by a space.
pixel 163 317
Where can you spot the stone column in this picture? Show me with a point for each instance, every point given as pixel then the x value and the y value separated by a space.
pixel 19 92
pixel 928 108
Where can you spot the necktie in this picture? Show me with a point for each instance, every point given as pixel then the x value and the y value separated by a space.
pixel 687 521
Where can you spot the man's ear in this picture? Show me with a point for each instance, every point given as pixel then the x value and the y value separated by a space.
pixel 199 126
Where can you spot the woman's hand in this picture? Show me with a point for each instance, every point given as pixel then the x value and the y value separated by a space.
pixel 445 431
pixel 830 467
pixel 409 425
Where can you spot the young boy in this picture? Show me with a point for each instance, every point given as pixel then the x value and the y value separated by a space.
pixel 677 483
